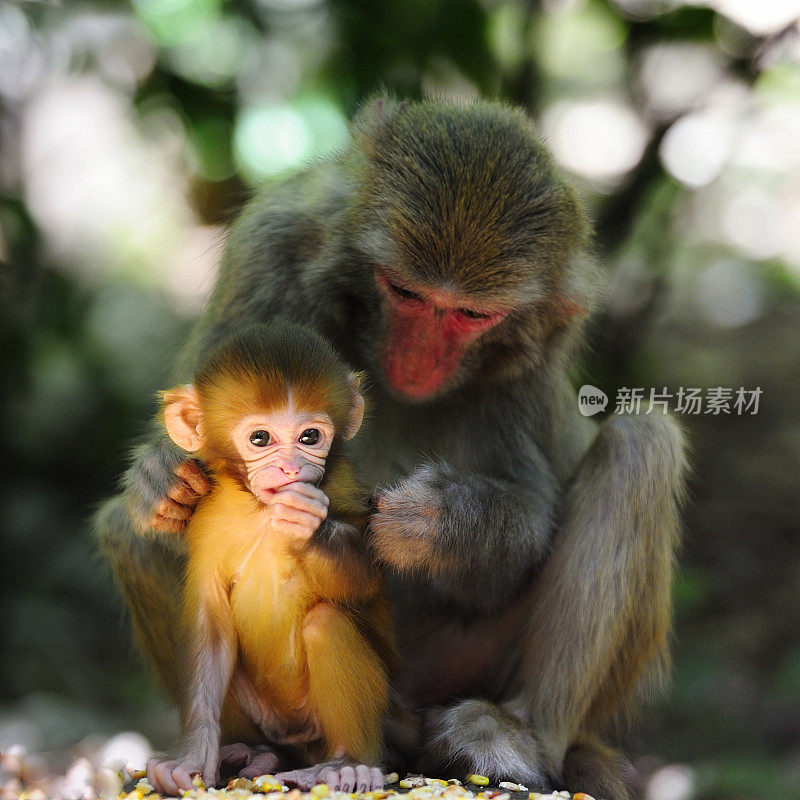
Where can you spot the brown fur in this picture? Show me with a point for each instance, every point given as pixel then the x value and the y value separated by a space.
pixel 289 599
pixel 289 642
pixel 496 500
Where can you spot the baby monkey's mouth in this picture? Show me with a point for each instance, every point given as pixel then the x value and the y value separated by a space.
pixel 266 493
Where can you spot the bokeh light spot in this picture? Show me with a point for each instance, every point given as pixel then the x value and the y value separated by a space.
pixel 276 138
pixel 676 77
pixel 601 139
pixel 760 17
pixel 728 294
pixel 22 63
pixel 672 782
pixel 696 148
pixel 581 42
pixel 214 55
pixel 176 21
pixel 269 140
pixel 751 220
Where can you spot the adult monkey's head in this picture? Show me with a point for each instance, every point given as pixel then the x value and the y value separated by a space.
pixel 472 240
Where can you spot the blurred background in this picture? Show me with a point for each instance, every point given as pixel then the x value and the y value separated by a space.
pixel 132 132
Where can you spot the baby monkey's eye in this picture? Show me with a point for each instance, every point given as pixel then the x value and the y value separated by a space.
pixel 310 436
pixel 260 438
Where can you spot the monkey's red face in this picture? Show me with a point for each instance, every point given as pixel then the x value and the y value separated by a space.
pixel 428 332
pixel 283 447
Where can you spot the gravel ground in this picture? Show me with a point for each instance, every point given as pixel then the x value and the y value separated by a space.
pixel 113 771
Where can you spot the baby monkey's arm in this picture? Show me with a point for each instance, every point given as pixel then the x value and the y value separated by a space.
pixel 333 551
pixel 339 563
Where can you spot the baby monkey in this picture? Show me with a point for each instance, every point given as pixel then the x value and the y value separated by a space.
pixel 288 637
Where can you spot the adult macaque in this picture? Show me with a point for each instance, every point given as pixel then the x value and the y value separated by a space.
pixel 530 551
pixel 288 637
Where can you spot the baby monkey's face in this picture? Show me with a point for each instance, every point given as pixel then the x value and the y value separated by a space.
pixel 282 447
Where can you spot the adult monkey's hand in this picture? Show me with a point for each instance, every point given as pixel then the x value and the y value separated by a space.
pixel 427 521
pixel 163 486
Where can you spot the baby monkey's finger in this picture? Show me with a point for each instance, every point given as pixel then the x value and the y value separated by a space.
pixel 295 530
pixel 282 513
pixel 305 489
pixel 291 499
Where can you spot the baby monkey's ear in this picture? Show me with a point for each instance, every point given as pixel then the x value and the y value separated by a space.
pixel 355 416
pixel 182 416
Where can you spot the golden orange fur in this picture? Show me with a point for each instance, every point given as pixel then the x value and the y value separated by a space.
pixel 297 618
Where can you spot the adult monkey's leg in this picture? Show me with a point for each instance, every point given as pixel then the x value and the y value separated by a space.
pixel 149 570
pixel 600 612
pixel 602 606
pixel 139 533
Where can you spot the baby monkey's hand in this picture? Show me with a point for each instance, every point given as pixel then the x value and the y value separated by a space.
pixel 297 509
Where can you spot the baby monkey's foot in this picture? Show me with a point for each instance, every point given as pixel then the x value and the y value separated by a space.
pixel 339 776
pixel 260 760
pixel 233 757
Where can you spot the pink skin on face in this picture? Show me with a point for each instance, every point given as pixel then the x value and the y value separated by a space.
pixel 429 330
pixel 284 453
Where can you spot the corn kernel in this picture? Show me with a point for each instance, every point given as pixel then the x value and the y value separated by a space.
pixel 320 790
pixel 392 777
pixel 478 780
pixel 582 796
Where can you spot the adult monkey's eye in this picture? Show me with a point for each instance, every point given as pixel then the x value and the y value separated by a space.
pixel 406 294
pixel 470 314
pixel 310 436
pixel 259 438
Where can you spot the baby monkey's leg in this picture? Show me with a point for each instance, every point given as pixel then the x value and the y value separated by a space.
pixel 348 694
